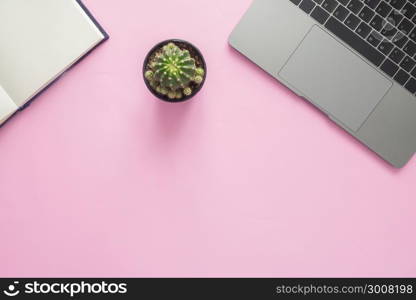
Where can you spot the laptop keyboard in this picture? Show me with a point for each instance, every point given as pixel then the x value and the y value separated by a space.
pixel 383 31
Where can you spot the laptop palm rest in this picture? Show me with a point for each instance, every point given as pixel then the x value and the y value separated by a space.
pixel 335 79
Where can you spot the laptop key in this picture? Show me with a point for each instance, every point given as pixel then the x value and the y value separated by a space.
pixel 377 23
pixel 389 67
pixel 296 2
pixel 320 15
pixel 318 1
pixel 383 9
pixel 401 77
pixel 329 5
pixel 307 6
pixel 385 47
pixel 388 31
pixel 410 48
pixel 405 26
pixel 409 10
pixel 354 41
pixel 363 30
pixel 411 85
pixel 396 55
pixel 341 13
pixel 412 34
pixel 374 38
pixel 366 14
pixel 372 3
pixel 408 64
pixel 352 21
pixel 397 4
pixel 344 2
pixel 400 39
pixel 355 6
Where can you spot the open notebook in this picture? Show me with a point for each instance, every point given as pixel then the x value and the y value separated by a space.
pixel 40 40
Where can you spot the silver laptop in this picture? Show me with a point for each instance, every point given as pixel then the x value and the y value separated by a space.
pixel 353 59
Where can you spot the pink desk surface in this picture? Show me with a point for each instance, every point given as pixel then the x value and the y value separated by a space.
pixel 98 178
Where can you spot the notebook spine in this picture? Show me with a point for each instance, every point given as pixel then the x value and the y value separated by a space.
pixel 89 14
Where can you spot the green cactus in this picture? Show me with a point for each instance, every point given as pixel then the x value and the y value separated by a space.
pixel 173 72
pixel 187 91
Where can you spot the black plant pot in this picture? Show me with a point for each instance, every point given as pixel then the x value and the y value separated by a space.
pixel 195 53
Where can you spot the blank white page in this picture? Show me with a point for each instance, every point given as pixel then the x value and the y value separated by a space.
pixel 7 106
pixel 39 40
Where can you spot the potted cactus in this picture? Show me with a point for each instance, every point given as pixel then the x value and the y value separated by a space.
pixel 174 71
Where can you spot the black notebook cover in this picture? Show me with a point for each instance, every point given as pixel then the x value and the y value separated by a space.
pixel 106 37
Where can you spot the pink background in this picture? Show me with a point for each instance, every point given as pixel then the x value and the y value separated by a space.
pixel 98 178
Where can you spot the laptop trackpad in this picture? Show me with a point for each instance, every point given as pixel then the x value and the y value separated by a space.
pixel 335 79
